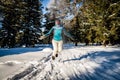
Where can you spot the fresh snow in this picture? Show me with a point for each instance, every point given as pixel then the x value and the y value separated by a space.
pixel 73 63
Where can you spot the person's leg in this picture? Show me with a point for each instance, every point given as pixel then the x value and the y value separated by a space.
pixel 55 48
pixel 60 46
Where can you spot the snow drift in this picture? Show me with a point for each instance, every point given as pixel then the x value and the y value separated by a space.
pixel 74 63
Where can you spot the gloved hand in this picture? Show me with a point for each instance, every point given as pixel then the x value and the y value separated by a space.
pixel 42 37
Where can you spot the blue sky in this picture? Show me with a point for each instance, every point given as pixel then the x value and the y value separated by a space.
pixel 45 4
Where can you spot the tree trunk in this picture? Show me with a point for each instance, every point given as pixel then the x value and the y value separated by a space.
pixel 76 44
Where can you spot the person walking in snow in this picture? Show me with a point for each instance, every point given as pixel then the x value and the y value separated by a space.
pixel 57 41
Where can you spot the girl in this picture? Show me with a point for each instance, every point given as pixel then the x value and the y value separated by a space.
pixel 57 40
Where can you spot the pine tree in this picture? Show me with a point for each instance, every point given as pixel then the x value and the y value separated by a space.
pixel 31 22
pixel 21 21
pixel 10 22
pixel 101 16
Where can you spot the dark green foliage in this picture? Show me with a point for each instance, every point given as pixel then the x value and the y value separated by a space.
pixel 95 21
pixel 105 20
pixel 99 21
pixel 22 21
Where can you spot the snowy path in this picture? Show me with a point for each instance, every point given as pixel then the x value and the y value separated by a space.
pixel 80 63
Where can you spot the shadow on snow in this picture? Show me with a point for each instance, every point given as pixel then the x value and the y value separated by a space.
pixel 12 51
pixel 109 69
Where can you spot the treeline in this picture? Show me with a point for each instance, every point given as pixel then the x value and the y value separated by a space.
pixel 21 22
pixel 98 21
pixel 93 21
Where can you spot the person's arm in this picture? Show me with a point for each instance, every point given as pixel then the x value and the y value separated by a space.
pixel 47 34
pixel 67 34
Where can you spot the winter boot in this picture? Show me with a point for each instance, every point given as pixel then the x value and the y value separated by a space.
pixel 53 57
pixel 56 55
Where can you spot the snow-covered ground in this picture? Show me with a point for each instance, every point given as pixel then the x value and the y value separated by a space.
pixel 73 63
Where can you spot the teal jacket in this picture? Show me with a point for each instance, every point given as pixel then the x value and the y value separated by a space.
pixel 58 31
